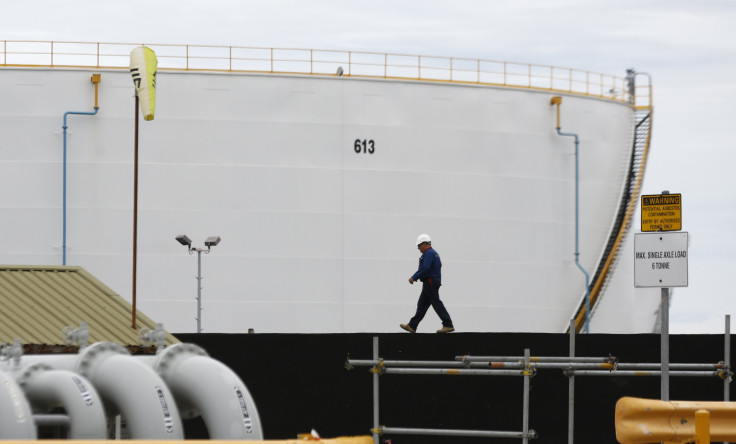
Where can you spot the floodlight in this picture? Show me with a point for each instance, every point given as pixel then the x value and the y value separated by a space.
pixel 212 241
pixel 209 242
pixel 184 240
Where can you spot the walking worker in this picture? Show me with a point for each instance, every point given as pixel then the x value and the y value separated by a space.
pixel 430 273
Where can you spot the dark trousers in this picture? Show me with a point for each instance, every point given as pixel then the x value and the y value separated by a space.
pixel 430 296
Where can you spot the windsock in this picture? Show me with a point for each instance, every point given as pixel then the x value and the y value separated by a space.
pixel 143 64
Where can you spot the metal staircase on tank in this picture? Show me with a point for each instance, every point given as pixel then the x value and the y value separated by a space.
pixel 643 110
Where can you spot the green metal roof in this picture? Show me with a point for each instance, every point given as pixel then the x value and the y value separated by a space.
pixel 38 302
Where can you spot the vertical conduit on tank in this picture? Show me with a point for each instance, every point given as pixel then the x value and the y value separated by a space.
pixel 631 192
pixel 47 388
pixel 95 79
pixel 557 100
pixel 15 412
pixel 202 385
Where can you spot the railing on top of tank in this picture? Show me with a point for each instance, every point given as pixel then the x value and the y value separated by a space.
pixel 323 62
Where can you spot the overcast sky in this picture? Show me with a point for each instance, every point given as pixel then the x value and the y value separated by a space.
pixel 688 47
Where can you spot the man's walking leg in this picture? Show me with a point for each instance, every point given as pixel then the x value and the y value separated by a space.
pixel 422 306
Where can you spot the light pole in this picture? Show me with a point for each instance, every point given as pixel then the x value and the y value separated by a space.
pixel 209 243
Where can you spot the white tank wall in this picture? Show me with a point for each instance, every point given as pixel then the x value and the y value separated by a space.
pixel 315 238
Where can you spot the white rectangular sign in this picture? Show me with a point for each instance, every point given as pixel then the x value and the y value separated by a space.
pixel 660 259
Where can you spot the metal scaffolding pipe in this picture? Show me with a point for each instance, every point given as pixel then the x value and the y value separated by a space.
pixel 375 393
pixel 453 371
pixel 575 365
pixel 727 357
pixel 533 359
pixel 571 389
pixel 641 373
pixel 380 367
pixel 657 365
pixel 525 414
pixel 450 432
pixel 445 364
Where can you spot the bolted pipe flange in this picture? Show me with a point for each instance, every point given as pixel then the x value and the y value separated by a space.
pixel 29 371
pixel 89 356
pixel 169 355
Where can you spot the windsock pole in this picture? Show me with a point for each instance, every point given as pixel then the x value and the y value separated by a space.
pixel 143 67
pixel 135 207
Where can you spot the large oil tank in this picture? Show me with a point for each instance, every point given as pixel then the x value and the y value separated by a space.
pixel 319 183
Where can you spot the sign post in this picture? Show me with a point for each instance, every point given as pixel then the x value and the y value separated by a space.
pixel 660 260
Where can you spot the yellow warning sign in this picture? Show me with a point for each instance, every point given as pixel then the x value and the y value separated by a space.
pixel 661 212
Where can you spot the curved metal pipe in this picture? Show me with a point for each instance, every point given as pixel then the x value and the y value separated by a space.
pixel 190 382
pixel 96 80
pixel 45 387
pixel 558 101
pixel 134 389
pixel 15 412
pixel 202 385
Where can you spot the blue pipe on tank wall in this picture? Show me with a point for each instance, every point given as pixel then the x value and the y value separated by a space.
pixel 63 243
pixel 577 229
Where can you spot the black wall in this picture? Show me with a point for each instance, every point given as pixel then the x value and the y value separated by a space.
pixel 299 382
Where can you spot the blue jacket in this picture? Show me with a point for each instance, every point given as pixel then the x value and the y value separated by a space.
pixel 430 266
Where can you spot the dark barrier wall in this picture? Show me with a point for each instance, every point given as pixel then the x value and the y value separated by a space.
pixel 299 382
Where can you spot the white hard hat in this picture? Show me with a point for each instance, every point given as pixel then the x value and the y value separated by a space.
pixel 423 238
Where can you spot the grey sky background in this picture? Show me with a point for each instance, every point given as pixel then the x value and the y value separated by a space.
pixel 688 47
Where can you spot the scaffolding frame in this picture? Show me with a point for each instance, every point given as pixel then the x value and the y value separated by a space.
pixel 383 367
pixel 527 366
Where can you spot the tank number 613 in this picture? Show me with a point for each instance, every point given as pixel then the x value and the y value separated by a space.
pixel 364 146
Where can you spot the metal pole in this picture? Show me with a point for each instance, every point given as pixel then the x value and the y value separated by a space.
pixel 454 371
pixel 514 366
pixel 575 365
pixel 525 418
pixel 533 359
pixel 375 393
pixel 665 344
pixel 727 358
pixel 199 290
pixel 571 389
pixel 658 366
pixel 135 209
pixel 678 373
pixel 520 365
pixel 450 432
pixel 441 364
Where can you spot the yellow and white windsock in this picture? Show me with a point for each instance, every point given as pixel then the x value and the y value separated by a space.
pixel 143 65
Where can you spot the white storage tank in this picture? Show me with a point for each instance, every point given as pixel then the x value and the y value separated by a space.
pixel 318 186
